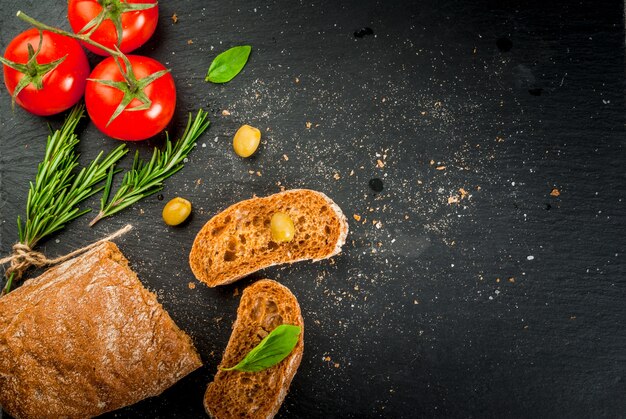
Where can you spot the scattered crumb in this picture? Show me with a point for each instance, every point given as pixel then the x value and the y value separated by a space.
pixel 308 125
pixel 336 176
pixel 141 211
pixel 440 168
pixel 463 193
pixel 236 292
pixel 512 280
pixel 175 18
pixel 199 181
pixel 380 164
pixel 225 112
pixel 453 200
pixel 357 217
pixel 191 285
pixel 285 157
pixel 351 172
pixel 336 365
pixel 326 358
pixel 555 192
pixel 250 172
pixel 189 41
pixel 432 162
pixel 297 80
pixel 500 139
pixel 258 173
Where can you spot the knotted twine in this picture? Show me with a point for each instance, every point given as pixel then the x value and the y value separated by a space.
pixel 23 257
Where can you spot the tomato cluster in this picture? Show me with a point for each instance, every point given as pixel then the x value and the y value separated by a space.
pixel 127 97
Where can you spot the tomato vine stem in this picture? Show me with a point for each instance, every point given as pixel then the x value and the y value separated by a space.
pixel 86 39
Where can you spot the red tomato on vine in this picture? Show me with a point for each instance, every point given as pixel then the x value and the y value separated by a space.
pixel 132 105
pixel 45 73
pixel 105 20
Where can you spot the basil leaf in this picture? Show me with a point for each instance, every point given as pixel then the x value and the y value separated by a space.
pixel 228 64
pixel 271 350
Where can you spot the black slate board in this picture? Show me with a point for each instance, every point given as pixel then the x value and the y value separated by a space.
pixel 508 303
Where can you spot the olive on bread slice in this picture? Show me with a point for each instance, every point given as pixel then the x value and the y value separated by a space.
pixel 243 238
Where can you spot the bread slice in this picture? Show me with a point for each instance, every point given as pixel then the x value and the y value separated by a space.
pixel 238 241
pixel 234 394
pixel 86 338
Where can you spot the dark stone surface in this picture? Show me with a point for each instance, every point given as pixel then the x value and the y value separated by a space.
pixel 507 303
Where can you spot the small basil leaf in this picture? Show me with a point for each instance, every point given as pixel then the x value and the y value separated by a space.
pixel 271 350
pixel 228 64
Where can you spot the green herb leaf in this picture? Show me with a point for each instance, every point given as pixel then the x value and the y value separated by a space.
pixel 273 348
pixel 228 64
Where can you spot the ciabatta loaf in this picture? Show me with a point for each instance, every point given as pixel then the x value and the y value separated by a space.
pixel 238 241
pixel 86 338
pixel 234 394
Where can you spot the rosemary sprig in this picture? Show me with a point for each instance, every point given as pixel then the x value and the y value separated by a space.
pixel 54 198
pixel 143 179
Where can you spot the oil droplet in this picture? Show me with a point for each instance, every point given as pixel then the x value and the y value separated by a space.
pixel 504 44
pixel 362 32
pixel 376 185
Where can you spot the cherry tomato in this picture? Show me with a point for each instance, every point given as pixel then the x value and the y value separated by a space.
pixel 137 25
pixel 131 125
pixel 61 86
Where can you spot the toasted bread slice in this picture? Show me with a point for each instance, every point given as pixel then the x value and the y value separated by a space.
pixel 234 394
pixel 238 241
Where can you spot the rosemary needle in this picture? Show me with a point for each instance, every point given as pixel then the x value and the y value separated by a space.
pixel 145 179
pixel 54 198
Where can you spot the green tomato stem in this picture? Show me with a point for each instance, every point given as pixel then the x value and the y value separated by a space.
pixel 86 39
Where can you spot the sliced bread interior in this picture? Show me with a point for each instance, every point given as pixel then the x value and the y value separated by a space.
pixel 234 394
pixel 238 241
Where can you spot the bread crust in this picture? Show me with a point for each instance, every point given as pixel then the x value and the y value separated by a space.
pixel 264 305
pixel 85 338
pixel 237 241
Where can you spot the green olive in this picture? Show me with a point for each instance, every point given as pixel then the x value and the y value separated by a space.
pixel 176 211
pixel 246 140
pixel 282 228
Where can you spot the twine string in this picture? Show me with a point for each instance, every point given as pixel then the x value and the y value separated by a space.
pixel 23 257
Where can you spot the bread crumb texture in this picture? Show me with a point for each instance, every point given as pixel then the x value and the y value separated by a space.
pixel 86 338
pixel 234 394
pixel 238 241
